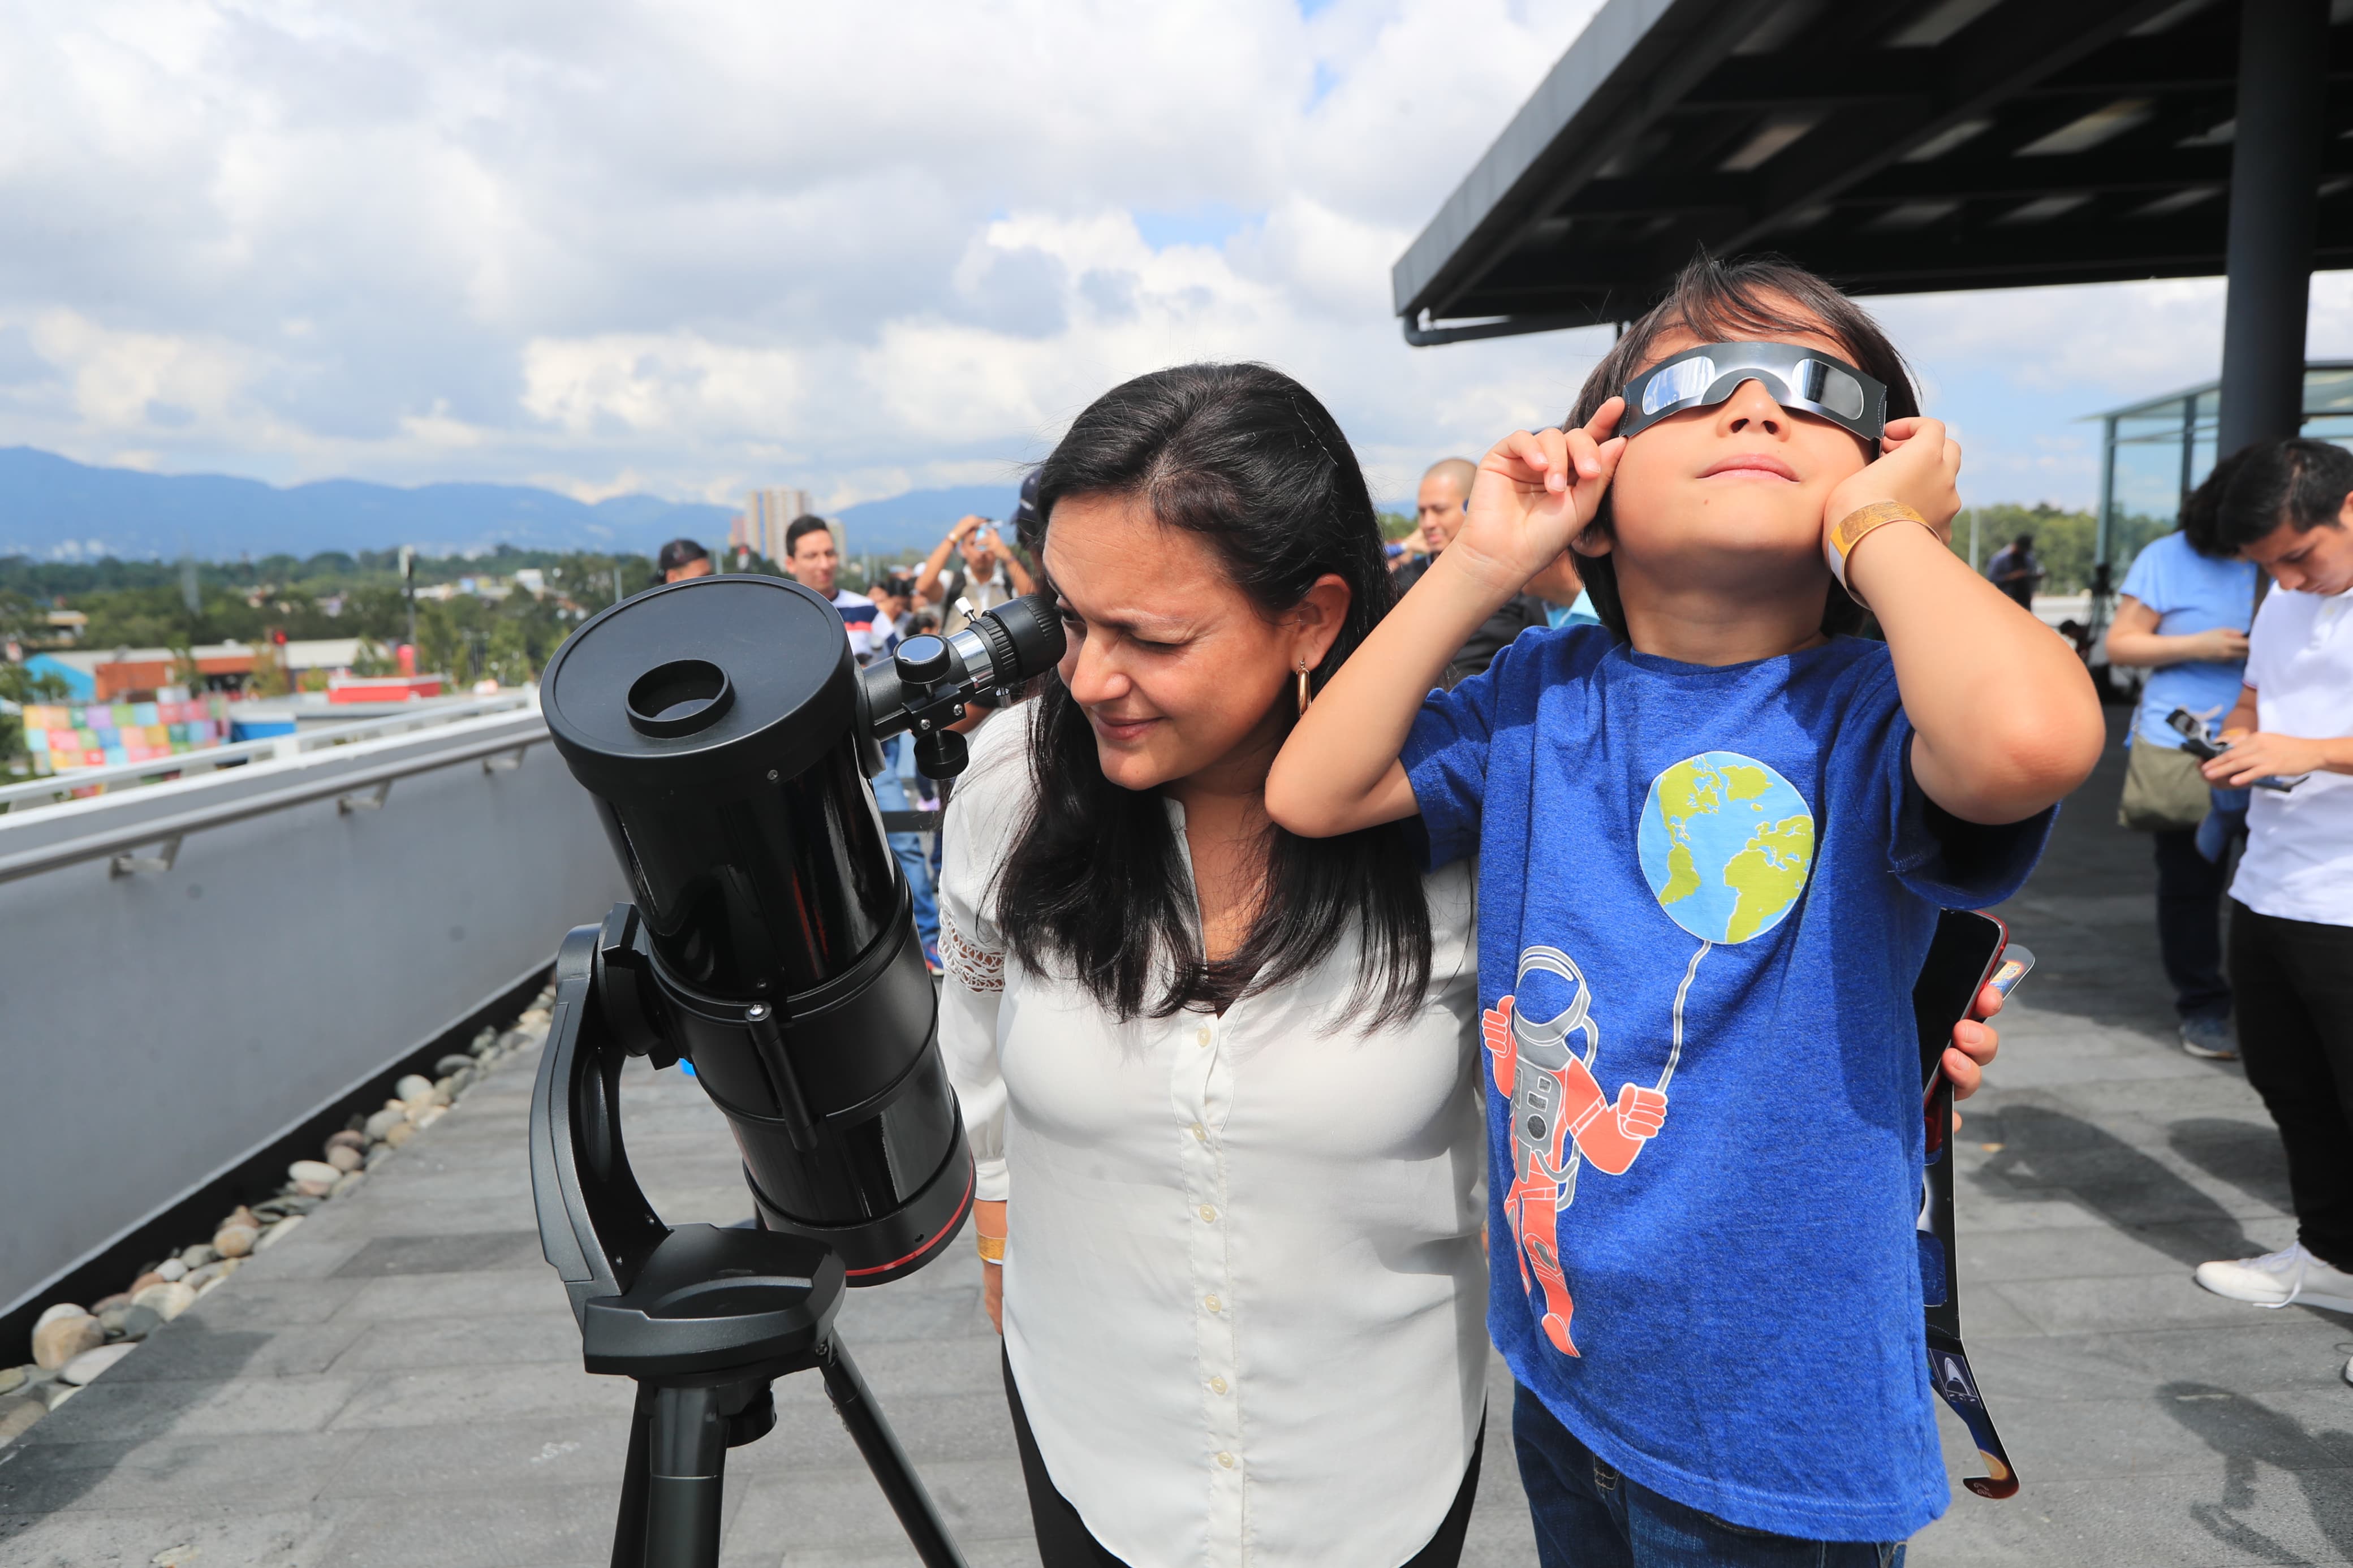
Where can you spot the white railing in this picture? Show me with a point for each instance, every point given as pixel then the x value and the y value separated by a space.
pixel 52 788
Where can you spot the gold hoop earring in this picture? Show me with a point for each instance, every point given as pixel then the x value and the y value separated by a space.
pixel 1305 695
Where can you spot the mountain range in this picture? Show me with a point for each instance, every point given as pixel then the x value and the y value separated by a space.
pixel 52 507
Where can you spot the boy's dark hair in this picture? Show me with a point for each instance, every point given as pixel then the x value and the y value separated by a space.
pixel 2023 541
pixel 1245 458
pixel 802 527
pixel 2297 481
pixel 677 552
pixel 2201 508
pixel 1730 301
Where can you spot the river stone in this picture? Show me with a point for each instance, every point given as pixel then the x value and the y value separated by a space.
pixel 18 1413
pixel 482 1041
pixel 430 1115
pixel 455 1062
pixel 138 1323
pixel 56 1393
pixel 377 1156
pixel 90 1363
pixel 152 1277
pixel 62 1309
pixel 351 1179
pixel 169 1268
pixel 199 1277
pixel 237 1240
pixel 343 1157
pixel 354 1138
pixel 168 1300
pixel 61 1340
pixel 302 1171
pixel 445 1090
pixel 413 1088
pixel 198 1254
pixel 11 1378
pixel 380 1125
pixel 277 1233
pixel 112 1319
pixel 401 1134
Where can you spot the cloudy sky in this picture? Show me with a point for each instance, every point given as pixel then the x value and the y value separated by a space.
pixel 683 246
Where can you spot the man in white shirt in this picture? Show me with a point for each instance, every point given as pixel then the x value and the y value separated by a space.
pixel 2290 510
pixel 816 564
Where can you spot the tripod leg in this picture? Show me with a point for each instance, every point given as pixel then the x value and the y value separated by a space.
pixel 686 1452
pixel 855 1403
pixel 629 1524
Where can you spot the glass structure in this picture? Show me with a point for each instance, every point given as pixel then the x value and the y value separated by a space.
pixel 2153 453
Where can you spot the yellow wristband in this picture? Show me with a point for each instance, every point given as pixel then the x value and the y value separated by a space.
pixel 992 1248
pixel 1840 540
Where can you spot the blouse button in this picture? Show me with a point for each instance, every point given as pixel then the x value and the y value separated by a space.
pixel 1201 1036
pixel 1200 1132
pixel 1209 1215
pixel 1217 1386
pixel 1225 1460
pixel 1211 1302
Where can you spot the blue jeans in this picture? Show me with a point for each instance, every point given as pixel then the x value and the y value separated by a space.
pixel 1589 1515
pixel 890 795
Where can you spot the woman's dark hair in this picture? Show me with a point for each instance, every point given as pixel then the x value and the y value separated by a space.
pixel 1736 301
pixel 2201 508
pixel 2297 481
pixel 1246 459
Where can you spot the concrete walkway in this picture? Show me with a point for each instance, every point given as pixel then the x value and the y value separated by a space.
pixel 399 1383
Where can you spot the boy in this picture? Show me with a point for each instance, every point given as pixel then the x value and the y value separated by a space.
pixel 1713 836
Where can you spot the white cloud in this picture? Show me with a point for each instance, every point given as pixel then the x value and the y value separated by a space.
pixel 688 246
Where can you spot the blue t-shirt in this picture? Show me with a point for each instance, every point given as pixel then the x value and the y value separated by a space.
pixel 1718 883
pixel 2190 593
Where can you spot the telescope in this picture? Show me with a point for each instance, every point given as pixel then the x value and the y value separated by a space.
pixel 726 736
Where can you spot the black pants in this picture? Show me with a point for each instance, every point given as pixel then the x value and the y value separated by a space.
pixel 2189 925
pixel 2294 985
pixel 1065 1541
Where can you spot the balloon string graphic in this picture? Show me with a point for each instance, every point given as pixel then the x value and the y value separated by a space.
pixel 1681 990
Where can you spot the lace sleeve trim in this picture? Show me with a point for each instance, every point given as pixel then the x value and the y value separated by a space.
pixel 969 964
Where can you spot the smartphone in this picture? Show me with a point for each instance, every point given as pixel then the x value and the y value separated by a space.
pixel 2195 740
pixel 1963 957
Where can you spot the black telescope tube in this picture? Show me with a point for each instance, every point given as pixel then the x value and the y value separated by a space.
pixel 716 724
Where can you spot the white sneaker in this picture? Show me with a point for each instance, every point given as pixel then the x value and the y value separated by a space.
pixel 2290 1277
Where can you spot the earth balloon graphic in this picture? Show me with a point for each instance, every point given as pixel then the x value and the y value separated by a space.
pixel 1725 845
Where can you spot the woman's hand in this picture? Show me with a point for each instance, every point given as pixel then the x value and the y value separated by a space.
pixel 2265 755
pixel 1535 491
pixel 1919 467
pixel 1972 1050
pixel 988 1224
pixel 2219 645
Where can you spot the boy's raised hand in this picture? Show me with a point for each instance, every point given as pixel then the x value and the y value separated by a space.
pixel 1919 466
pixel 1536 491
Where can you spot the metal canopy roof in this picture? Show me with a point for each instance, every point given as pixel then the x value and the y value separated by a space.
pixel 1896 146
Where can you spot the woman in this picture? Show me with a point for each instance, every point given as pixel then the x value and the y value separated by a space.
pixel 1219 1079
pixel 2183 614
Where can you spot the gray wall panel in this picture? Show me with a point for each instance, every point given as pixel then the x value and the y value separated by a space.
pixel 158 1027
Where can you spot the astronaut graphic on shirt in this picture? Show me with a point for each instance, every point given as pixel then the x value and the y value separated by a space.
pixel 1726 844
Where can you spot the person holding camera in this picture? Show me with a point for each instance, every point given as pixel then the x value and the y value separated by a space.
pixel 2289 510
pixel 987 575
pixel 2182 615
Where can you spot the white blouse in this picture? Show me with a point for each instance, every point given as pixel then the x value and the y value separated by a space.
pixel 1245 1300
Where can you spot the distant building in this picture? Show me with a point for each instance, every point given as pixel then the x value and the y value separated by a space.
pixel 531 580
pixel 766 513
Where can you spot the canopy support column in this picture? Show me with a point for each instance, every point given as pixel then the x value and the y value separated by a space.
pixel 2274 175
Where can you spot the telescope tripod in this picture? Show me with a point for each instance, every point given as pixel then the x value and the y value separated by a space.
pixel 704 1317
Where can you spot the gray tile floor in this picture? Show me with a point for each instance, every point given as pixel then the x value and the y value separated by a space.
pixel 399 1383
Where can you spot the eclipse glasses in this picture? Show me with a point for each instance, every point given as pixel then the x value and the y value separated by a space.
pixel 1806 380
